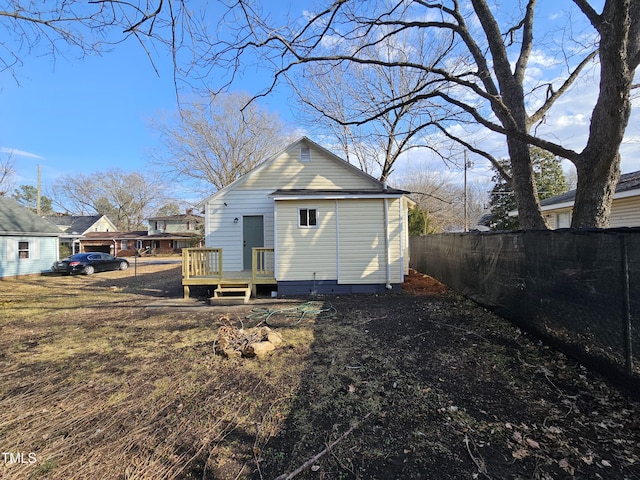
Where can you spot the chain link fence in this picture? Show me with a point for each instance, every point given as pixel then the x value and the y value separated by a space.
pixel 578 290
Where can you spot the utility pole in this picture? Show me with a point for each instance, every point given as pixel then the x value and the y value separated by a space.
pixel 38 209
pixel 466 214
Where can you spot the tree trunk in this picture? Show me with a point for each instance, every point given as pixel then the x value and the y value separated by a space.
pixel 524 187
pixel 597 180
pixel 599 164
pixel 515 117
pixel 522 177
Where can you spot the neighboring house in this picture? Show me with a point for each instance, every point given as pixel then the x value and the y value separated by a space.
pixel 331 227
pixel 625 208
pixel 172 233
pixel 28 243
pixel 115 243
pixel 75 227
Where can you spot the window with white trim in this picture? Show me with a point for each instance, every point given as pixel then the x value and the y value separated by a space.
pixel 307 217
pixel 23 250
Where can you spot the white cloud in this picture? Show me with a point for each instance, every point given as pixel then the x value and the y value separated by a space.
pixel 20 153
pixel 539 57
pixel 571 120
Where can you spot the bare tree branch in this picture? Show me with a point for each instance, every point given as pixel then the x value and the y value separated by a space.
pixel 215 141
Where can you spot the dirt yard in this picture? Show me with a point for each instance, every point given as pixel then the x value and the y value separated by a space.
pixel 115 376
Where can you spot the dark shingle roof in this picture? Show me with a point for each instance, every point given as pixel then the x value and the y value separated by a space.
pixel 183 217
pixel 628 181
pixel 74 223
pixel 16 219
pixel 115 235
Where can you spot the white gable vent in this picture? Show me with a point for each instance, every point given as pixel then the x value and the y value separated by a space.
pixel 305 154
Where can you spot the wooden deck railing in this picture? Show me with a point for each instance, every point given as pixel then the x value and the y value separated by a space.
pixel 263 267
pixel 203 266
pixel 262 262
pixel 201 262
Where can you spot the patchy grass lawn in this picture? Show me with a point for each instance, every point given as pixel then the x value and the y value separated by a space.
pixel 115 376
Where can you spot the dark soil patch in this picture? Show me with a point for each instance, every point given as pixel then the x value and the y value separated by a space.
pixel 446 390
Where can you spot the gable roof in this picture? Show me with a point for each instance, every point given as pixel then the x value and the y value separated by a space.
pixel 76 224
pixel 328 154
pixel 178 218
pixel 628 185
pixel 15 219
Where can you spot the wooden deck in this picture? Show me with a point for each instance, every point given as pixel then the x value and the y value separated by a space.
pixel 203 267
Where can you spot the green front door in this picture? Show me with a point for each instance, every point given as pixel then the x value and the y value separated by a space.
pixel 252 236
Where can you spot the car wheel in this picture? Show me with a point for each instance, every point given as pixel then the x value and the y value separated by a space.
pixel 88 270
pixel 124 265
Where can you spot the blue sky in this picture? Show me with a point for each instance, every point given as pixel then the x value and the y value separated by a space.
pixel 92 115
pixel 83 115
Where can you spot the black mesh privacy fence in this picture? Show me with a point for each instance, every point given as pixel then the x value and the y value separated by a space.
pixel 578 290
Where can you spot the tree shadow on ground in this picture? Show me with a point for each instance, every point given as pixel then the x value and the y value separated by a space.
pixel 434 386
pixel 166 283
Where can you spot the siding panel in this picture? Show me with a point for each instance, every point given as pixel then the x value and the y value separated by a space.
pixel 223 233
pixel 321 172
pixel 362 242
pixel 303 252
pixel 363 252
pixel 625 212
pixel 43 252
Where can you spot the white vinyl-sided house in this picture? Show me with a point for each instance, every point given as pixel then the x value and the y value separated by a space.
pixel 327 226
pixel 625 207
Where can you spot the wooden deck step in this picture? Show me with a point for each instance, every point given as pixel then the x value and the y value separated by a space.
pixel 232 292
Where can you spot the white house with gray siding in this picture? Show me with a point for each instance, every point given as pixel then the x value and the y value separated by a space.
pixel 332 227
pixel 28 243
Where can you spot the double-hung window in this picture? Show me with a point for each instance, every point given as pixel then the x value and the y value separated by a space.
pixel 23 250
pixel 308 217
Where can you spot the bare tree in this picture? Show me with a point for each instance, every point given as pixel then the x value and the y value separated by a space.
pixel 126 198
pixel 333 94
pixel 442 199
pixel 210 144
pixel 78 27
pixel 485 77
pixel 7 173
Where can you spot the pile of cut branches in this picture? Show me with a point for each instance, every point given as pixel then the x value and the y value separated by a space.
pixel 252 342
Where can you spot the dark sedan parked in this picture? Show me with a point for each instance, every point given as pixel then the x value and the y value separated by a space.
pixel 88 263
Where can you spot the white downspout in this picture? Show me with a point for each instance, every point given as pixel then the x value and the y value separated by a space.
pixel 337 214
pixel 387 242
pixel 275 240
pixel 402 238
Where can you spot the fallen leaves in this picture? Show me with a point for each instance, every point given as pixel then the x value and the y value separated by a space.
pixel 532 443
pixel 522 444
pixel 566 466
